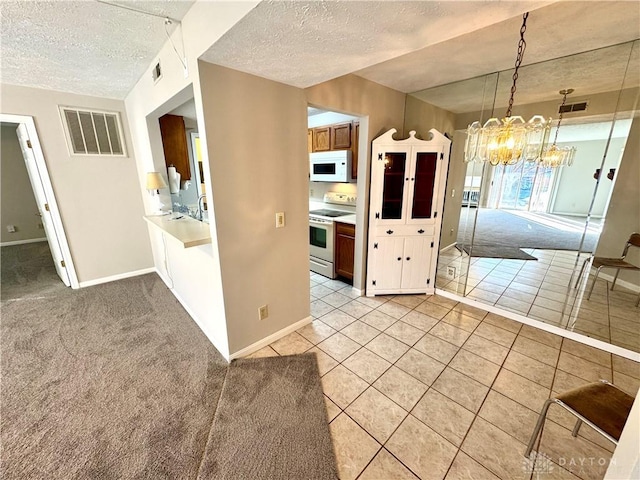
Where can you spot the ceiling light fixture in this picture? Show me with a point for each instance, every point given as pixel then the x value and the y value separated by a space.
pixel 554 156
pixel 510 140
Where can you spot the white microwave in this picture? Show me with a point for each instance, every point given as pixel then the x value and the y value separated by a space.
pixel 330 166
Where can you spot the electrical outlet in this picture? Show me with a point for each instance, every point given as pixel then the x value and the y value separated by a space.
pixel 311 192
pixel 279 219
pixel 451 232
pixel 263 312
pixel 11 228
pixel 451 272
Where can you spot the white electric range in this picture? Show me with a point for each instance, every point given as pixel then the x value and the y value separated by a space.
pixel 321 224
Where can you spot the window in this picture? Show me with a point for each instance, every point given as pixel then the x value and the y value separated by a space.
pixel 92 132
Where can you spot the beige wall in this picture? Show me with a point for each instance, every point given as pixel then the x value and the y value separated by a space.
pixel 18 203
pixel 256 132
pixel 421 117
pixel 98 197
pixel 623 215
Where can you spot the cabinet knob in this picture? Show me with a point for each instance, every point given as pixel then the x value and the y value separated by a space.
pixel 389 232
pixel 408 258
pixel 412 179
pixel 399 258
pixel 421 231
pixel 406 179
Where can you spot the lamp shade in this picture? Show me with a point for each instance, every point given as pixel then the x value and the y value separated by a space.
pixel 155 181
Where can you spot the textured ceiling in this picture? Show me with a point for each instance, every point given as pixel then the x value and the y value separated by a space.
pixel 82 46
pixel 588 73
pixel 303 43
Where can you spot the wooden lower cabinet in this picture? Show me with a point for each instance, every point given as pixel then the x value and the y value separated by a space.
pixel 344 248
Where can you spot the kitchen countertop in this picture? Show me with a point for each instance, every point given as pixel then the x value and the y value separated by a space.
pixel 186 230
pixel 350 219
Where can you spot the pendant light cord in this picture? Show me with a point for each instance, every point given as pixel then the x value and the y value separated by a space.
pixel 564 100
pixel 522 45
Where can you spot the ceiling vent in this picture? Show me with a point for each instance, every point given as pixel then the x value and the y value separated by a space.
pixel 573 107
pixel 91 132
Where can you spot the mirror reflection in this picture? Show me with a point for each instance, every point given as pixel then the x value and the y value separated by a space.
pixel 517 236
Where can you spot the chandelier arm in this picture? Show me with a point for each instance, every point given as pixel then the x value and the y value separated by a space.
pixel 522 45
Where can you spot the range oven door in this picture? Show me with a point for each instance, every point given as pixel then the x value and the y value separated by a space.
pixel 321 239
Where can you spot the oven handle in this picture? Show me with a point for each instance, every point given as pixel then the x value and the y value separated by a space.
pixel 321 224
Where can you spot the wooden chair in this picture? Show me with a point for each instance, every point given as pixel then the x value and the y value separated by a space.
pixel 600 405
pixel 619 263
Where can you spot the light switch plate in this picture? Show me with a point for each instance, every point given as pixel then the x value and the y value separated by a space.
pixel 279 219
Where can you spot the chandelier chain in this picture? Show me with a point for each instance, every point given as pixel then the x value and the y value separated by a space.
pixel 522 45
pixel 564 100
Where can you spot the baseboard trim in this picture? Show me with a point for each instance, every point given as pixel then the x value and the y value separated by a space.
pixel 22 242
pixel 448 247
pixel 270 339
pixel 120 276
pixel 623 283
pixel 607 347
pixel 223 351
pixel 356 291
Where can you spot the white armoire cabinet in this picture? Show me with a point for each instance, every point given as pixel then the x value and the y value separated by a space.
pixel 408 180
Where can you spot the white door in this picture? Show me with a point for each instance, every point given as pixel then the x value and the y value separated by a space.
pixel 43 204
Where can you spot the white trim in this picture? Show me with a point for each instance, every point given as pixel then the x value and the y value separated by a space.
pixel 120 276
pixel 41 164
pixel 448 247
pixel 20 242
pixel 270 339
pixel 623 352
pixel 357 291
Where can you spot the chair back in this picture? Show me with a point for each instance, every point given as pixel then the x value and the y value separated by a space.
pixel 634 241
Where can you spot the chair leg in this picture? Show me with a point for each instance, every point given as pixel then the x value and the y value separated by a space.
pixel 536 430
pixel 594 283
pixel 576 428
pixel 584 264
pixel 615 278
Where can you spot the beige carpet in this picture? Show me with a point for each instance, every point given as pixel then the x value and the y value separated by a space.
pixel 108 382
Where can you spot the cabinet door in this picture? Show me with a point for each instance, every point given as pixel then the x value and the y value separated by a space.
pixel 416 263
pixel 344 249
pixel 354 148
pixel 423 186
pixel 174 144
pixel 341 136
pixel 394 183
pixel 321 139
pixel 388 262
pixel 310 140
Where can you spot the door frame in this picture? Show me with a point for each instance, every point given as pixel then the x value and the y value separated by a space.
pixel 41 172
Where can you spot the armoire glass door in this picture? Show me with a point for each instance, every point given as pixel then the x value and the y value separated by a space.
pixel 424 183
pixel 395 164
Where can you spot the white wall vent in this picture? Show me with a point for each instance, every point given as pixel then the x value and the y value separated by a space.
pixel 93 132
pixel 573 107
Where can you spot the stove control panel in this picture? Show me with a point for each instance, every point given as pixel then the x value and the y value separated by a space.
pixel 341 198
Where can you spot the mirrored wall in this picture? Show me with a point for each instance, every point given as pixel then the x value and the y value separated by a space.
pixel 516 236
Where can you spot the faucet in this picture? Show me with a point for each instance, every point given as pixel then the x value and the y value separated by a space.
pixel 200 206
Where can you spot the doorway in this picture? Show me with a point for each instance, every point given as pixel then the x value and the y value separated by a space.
pixel 32 215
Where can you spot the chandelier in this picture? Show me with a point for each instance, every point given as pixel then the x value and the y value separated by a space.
pixel 510 140
pixel 555 156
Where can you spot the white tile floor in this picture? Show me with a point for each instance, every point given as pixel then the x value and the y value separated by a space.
pixel 543 290
pixel 423 387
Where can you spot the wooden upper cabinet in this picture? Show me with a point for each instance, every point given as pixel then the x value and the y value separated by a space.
pixel 174 144
pixel 321 139
pixel 310 140
pixel 341 136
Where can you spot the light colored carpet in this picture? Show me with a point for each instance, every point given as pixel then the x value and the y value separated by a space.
pixel 270 423
pixel 116 381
